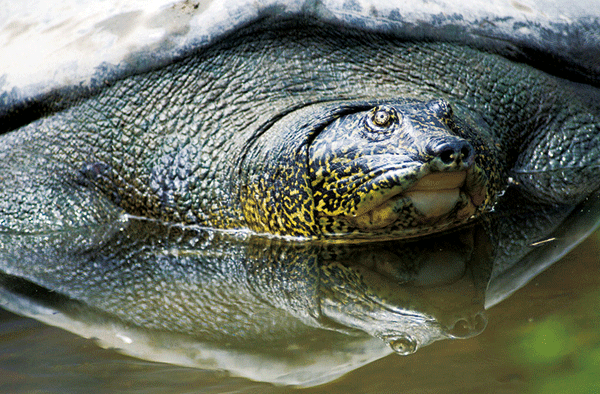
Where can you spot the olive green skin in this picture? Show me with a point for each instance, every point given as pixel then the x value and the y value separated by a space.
pixel 221 137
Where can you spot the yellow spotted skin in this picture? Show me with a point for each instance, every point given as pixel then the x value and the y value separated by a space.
pixel 280 203
pixel 313 172
pixel 363 158
pixel 275 190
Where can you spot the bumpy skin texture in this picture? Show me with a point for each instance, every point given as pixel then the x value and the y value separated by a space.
pixel 221 137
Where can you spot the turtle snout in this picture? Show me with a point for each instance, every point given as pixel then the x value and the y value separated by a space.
pixel 452 153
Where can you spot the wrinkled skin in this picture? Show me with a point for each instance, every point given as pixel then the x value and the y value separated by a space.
pixel 222 137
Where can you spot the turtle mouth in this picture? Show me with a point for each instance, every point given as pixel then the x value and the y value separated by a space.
pixel 436 194
pixel 431 198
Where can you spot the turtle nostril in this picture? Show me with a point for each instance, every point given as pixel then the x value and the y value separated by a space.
pixel 454 152
pixel 447 156
pixel 465 153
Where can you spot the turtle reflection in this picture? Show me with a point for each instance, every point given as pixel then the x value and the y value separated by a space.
pixel 409 293
pixel 280 310
pixel 239 291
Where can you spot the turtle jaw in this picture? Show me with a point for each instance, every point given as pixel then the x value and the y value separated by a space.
pixel 433 197
pixel 436 194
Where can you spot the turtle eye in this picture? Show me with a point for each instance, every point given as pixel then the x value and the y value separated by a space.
pixel 381 119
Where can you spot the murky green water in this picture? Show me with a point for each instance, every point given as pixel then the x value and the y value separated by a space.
pixel 542 339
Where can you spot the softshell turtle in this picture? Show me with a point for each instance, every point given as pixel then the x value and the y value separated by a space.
pixel 325 119
pixel 353 120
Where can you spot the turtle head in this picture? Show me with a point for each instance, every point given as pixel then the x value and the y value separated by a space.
pixel 369 170
pixel 401 168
